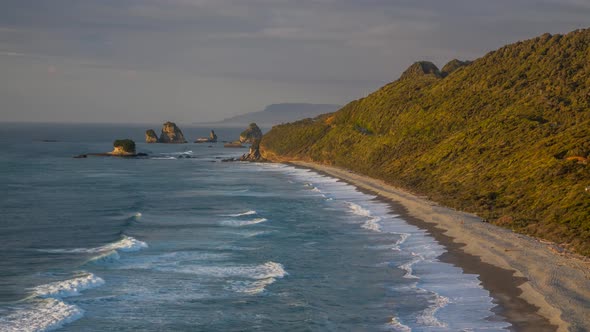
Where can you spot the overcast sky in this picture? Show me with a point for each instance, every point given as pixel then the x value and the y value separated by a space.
pixel 204 60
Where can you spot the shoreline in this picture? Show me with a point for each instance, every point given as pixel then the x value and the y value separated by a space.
pixel 534 285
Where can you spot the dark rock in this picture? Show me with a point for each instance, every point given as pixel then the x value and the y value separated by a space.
pixel 171 134
pixel 251 134
pixel 254 153
pixel 211 139
pixel 421 68
pixel 150 136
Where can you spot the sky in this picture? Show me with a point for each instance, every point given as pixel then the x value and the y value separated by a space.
pixel 190 61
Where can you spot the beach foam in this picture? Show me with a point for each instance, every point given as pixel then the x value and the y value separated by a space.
pixel 427 317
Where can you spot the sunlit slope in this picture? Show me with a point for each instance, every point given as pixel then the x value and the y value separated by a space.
pixel 506 136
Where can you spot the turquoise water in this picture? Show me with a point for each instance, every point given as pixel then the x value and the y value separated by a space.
pixel 194 244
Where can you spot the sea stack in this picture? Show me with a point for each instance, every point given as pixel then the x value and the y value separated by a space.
pixel 171 134
pixel 212 136
pixel 123 147
pixel 251 134
pixel 211 139
pixel 150 136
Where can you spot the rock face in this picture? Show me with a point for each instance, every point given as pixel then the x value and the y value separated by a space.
pixel 251 134
pixel 421 68
pixel 171 134
pixel 453 65
pixel 123 147
pixel 150 136
pixel 212 136
pixel 254 153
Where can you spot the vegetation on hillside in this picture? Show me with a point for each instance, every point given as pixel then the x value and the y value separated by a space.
pixel 506 136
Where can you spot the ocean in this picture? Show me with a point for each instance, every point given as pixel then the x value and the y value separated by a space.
pixel 181 241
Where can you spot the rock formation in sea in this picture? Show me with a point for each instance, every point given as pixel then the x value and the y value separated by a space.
pixel 123 147
pixel 150 136
pixel 211 139
pixel 251 134
pixel 235 144
pixel 171 134
pixel 212 136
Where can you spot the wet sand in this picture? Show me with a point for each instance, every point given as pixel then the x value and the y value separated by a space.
pixel 537 286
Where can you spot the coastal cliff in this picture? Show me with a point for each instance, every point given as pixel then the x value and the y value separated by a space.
pixel 502 137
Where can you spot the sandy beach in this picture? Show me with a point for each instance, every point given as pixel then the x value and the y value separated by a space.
pixel 537 286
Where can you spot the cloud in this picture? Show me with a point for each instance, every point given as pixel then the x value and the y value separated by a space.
pixel 322 50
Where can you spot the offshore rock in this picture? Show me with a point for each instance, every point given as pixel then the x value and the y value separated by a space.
pixel 123 147
pixel 252 134
pixel 150 136
pixel 212 136
pixel 211 139
pixel 171 134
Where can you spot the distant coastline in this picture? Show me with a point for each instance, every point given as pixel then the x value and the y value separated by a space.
pixel 526 276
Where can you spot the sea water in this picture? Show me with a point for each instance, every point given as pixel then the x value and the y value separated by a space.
pixel 181 241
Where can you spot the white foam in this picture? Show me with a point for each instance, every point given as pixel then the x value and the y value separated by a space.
pixel 238 223
pixel 408 266
pixel 109 257
pixel 359 210
pixel 251 287
pixel 427 317
pixel 397 326
pixel 371 224
pixel 258 272
pixel 137 215
pixel 126 243
pixel 43 315
pixel 67 288
pixel 247 213
pixel 163 158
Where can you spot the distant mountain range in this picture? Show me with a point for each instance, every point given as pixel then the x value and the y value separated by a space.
pixel 278 113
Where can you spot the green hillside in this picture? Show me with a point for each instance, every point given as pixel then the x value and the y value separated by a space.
pixel 506 136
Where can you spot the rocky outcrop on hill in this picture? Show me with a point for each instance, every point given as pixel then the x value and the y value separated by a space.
pixel 171 134
pixel 421 68
pixel 251 134
pixel 150 136
pixel 453 65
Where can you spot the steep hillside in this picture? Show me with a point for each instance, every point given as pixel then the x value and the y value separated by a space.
pixel 506 136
